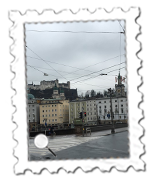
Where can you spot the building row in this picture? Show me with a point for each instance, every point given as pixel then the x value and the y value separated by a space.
pixel 58 111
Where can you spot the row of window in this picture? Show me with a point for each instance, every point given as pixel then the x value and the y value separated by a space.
pixel 53 110
pixel 91 109
pixel 53 115
pixel 116 111
pixel 110 106
pixel 91 104
pixel 91 118
pixel 49 115
pixel 32 115
pixel 54 105
pixel 32 110
pixel 113 117
pixel 31 105
pixel 109 101
pixel 52 120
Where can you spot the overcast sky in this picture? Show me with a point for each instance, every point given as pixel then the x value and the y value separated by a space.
pixel 66 55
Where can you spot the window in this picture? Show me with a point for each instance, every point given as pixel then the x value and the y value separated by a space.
pixel 115 105
pixel 49 110
pixel 121 105
pixel 46 115
pixel 43 110
pixel 55 110
pixel 121 100
pixel 104 101
pixel 52 105
pixel 48 105
pixel 55 105
pixel 55 119
pixel 88 118
pixel 52 110
pixel 52 114
pixel 105 107
pixel 43 115
pixel 42 106
pixel 46 102
pixel 49 115
pixel 115 100
pixel 87 109
pixel 121 110
pixel 46 110
pixel 55 114
pixel 32 105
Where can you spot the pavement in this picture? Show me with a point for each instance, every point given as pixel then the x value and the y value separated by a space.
pixel 101 144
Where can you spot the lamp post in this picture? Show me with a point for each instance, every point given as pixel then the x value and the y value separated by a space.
pixel 113 127
pixel 45 125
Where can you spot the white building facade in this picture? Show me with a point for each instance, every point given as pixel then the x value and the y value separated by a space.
pixel 91 110
pixel 33 111
pixel 119 108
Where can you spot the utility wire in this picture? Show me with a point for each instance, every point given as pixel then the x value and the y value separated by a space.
pixel 35 68
pixel 50 69
pixel 42 71
pixel 76 67
pixel 98 63
pixel 97 71
pixel 46 62
pixel 53 62
pixel 89 32
pixel 97 76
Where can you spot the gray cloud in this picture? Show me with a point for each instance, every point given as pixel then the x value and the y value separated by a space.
pixel 77 50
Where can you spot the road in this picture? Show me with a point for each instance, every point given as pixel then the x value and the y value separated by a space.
pixel 100 144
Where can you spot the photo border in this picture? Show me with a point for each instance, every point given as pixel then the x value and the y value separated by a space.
pixel 143 37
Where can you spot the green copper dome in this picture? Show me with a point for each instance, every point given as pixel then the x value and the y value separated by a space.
pixel 30 96
pixel 55 88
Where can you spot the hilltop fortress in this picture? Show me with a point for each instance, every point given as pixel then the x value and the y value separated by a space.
pixel 49 84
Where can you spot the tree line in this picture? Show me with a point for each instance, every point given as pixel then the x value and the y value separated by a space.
pixel 94 94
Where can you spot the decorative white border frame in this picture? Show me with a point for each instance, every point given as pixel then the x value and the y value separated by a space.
pixel 19 100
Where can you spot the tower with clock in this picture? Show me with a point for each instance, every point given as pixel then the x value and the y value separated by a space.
pixel 119 88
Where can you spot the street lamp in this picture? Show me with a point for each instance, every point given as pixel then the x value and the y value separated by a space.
pixel 113 128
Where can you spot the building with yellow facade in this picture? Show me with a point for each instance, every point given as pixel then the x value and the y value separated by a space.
pixel 54 111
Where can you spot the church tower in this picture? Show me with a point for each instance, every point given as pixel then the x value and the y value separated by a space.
pixel 119 88
pixel 55 92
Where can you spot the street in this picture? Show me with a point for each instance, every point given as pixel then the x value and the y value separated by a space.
pixel 99 145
